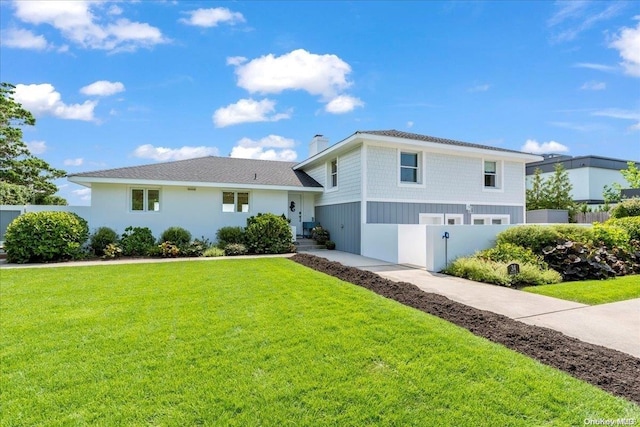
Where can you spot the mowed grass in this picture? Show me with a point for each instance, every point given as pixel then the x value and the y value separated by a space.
pixel 592 292
pixel 257 342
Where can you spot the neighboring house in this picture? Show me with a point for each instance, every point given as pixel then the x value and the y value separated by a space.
pixel 588 174
pixel 371 177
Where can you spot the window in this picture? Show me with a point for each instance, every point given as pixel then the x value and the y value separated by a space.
pixel 409 168
pixel 333 173
pixel 235 202
pixel 490 219
pixel 145 200
pixel 490 174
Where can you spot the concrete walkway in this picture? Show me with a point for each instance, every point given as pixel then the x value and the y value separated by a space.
pixel 615 325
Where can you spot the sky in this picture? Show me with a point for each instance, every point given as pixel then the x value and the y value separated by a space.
pixel 123 83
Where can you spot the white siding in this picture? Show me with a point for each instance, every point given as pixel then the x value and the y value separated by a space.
pixel 198 211
pixel 448 179
pixel 349 179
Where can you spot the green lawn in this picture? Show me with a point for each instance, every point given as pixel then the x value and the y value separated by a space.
pixel 257 342
pixel 592 291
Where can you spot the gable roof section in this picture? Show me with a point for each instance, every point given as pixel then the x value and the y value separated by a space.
pixel 218 170
pixel 398 137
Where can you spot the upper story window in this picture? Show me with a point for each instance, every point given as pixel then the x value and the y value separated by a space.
pixel 409 167
pixel 145 199
pixel 490 174
pixel 235 201
pixel 333 173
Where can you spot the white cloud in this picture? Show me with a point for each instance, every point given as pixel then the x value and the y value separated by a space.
pixel 480 88
pixel 212 17
pixel 43 99
pixel 533 146
pixel 324 75
pixel 272 147
pixel 236 60
pixel 593 85
pixel 247 111
pixel 628 44
pixel 618 113
pixel 343 104
pixel 89 25
pixel 102 88
pixel 83 193
pixel 74 162
pixel 23 39
pixel 592 66
pixel 579 16
pixel 36 147
pixel 409 124
pixel 162 154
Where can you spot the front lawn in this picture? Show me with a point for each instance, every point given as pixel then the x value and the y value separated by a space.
pixel 592 291
pixel 257 342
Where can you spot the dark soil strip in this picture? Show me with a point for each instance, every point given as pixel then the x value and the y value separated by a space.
pixel 611 370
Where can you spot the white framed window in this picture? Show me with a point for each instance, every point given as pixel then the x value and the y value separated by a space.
pixel 491 175
pixel 490 219
pixel 454 219
pixel 235 201
pixel 145 200
pixel 333 174
pixel 409 167
pixel 431 218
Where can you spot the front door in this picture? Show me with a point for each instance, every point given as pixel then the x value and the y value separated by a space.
pixel 295 212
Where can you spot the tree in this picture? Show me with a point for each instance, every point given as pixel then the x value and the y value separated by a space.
pixel 551 193
pixel 613 193
pixel 17 165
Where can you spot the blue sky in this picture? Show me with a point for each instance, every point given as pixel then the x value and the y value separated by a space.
pixel 115 84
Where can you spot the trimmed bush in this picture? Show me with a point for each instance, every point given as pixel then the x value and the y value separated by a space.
pixel 610 235
pixel 320 235
pixel 169 250
pixel 626 208
pixel 330 244
pixel 630 224
pixel 102 237
pixel 45 237
pixel 112 251
pixel 534 237
pixel 228 235
pixel 213 252
pixel 137 241
pixel 268 234
pixel 235 249
pixel 509 253
pixel 176 235
pixel 195 248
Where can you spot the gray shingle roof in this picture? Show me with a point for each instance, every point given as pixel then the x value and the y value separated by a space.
pixel 224 170
pixel 417 137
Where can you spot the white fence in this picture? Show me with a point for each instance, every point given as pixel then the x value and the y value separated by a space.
pixel 424 245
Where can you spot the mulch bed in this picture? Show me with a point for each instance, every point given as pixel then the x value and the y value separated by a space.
pixel 611 370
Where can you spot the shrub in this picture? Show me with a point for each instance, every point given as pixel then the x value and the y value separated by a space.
pixel 626 208
pixel 235 249
pixel 330 244
pixel 630 224
pixel 213 252
pixel 228 235
pixel 508 253
pixel 534 237
pixel 137 241
pixel 268 234
pixel 320 235
pixel 482 270
pixel 169 250
pixel 45 236
pixel 102 237
pixel 195 248
pixel 112 251
pixel 577 261
pixel 176 235
pixel 610 235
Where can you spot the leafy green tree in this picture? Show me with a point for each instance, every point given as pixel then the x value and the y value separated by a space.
pixel 17 165
pixel 613 193
pixel 551 193
pixel 535 195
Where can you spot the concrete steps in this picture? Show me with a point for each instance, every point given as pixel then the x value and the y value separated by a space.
pixel 303 244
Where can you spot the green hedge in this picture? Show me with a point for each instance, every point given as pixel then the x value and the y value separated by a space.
pixel 630 224
pixel 45 237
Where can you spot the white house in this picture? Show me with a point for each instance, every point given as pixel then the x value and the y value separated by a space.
pixel 371 177
pixel 588 174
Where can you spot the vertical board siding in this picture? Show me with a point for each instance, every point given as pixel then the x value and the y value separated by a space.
pixel 343 223
pixel 5 219
pixel 408 213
